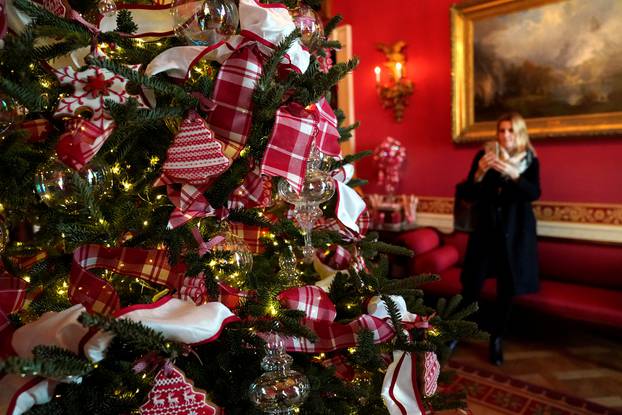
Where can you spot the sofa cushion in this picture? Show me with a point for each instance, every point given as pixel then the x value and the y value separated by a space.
pixel 435 261
pixel 592 264
pixel 420 240
pixel 577 302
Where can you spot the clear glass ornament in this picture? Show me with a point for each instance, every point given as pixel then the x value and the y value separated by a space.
pixel 288 271
pixel 107 7
pixel 233 269
pixel 11 112
pixel 309 22
pixel 280 390
pixel 318 187
pixel 4 235
pixel 206 22
pixel 55 183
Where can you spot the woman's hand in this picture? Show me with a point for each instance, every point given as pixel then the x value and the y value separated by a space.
pixel 486 162
pixel 506 168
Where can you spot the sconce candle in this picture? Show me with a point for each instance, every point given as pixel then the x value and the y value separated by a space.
pixel 377 72
pixel 394 94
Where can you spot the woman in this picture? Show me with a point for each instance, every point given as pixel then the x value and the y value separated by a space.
pixel 503 244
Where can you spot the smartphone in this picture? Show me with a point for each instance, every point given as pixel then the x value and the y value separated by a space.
pixel 492 147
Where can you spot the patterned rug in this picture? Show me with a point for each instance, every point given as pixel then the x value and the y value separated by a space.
pixel 492 394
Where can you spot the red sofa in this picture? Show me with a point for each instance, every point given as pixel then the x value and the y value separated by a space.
pixel 579 280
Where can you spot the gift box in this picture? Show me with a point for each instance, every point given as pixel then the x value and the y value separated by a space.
pixel 392 212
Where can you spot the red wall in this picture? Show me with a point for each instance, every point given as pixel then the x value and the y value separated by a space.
pixel 576 170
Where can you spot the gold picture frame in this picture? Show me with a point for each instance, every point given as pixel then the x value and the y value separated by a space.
pixel 466 127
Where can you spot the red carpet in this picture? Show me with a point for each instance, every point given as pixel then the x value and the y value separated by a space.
pixel 491 394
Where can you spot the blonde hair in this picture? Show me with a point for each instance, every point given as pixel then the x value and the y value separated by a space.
pixel 520 130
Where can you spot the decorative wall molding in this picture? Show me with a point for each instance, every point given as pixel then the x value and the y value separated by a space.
pixel 585 221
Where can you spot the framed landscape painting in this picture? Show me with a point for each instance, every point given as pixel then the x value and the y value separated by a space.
pixel 557 62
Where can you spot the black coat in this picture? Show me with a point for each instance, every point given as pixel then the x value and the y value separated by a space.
pixel 505 223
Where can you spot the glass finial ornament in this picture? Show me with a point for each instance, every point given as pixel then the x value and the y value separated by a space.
pixel 205 22
pixel 288 271
pixel 309 22
pixel 318 188
pixel 55 183
pixel 281 390
pixel 10 113
pixel 107 7
pixel 231 269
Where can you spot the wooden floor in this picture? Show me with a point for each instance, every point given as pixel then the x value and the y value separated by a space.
pixel 578 360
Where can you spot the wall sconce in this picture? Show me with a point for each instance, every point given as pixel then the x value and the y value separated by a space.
pixel 394 91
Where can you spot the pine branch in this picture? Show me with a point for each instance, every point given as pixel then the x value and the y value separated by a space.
pixel 26 95
pixel 125 22
pixel 159 85
pixel 43 17
pixel 396 319
pixel 345 133
pixel 139 338
pixel 48 362
pixel 332 24
pixel 349 159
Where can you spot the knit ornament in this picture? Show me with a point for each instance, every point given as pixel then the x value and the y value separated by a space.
pixel 195 154
pixel 431 371
pixel 173 394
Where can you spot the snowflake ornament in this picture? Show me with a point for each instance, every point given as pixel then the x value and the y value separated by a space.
pixel 92 87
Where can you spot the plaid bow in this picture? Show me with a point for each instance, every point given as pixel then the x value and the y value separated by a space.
pixel 188 200
pixel 233 95
pixel 327 139
pixel 336 256
pixel 256 190
pixel 333 224
pixel 78 146
pixel 290 144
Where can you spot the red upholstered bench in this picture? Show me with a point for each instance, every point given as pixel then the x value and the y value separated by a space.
pixel 579 280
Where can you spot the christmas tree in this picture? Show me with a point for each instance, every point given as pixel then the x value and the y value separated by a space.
pixel 180 232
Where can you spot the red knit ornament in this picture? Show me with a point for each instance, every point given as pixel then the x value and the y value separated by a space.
pixel 195 154
pixel 431 370
pixel 173 394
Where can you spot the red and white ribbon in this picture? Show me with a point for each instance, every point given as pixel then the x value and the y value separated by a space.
pixel 350 205
pixel 400 391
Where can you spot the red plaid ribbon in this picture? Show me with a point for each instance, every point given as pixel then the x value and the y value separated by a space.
pixel 320 314
pixel 233 95
pixel 39 129
pixel 12 298
pixel 290 144
pixel 78 146
pixel 188 200
pixel 332 224
pixel 97 294
pixel 343 370
pixel 312 300
pixel 256 190
pixel 327 139
pixel 250 234
pixel 336 256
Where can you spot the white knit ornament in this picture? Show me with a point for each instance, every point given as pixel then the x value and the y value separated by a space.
pixel 195 155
